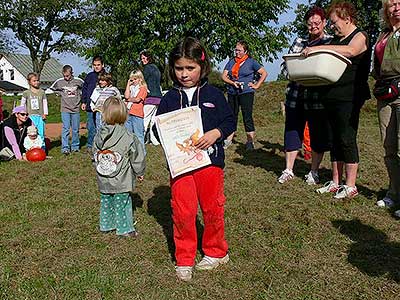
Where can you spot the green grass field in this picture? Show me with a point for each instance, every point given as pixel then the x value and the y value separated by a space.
pixel 286 242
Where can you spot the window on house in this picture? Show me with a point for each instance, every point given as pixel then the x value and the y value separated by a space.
pixel 11 74
pixel 1 75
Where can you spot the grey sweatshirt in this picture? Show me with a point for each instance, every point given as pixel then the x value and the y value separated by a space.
pixel 119 158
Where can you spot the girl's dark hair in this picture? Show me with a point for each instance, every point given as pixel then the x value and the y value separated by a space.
pixel 106 77
pixel 189 48
pixel 147 54
pixel 315 10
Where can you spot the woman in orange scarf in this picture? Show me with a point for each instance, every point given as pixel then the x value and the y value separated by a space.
pixel 243 75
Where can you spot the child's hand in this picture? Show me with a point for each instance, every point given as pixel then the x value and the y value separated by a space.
pixel 140 178
pixel 44 117
pixel 208 139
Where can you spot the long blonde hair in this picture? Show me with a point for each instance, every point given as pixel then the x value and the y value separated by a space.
pixel 137 74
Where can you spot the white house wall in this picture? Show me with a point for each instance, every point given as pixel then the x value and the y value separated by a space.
pixel 19 79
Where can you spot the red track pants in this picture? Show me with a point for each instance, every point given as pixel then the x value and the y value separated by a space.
pixel 204 186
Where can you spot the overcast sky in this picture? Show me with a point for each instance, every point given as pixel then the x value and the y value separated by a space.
pixel 80 65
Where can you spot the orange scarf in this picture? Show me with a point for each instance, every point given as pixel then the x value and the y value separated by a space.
pixel 236 66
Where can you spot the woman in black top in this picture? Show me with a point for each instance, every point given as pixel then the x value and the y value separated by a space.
pixel 15 131
pixel 152 76
pixel 343 99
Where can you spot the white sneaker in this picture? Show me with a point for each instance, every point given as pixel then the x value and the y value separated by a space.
pixel 312 178
pixel 329 187
pixel 209 263
pixel 286 176
pixel 346 191
pixel 385 202
pixel 184 272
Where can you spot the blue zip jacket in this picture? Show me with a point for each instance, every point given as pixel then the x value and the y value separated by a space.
pixel 215 113
pixel 89 84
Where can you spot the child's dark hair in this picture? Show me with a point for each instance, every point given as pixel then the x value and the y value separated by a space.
pixel 189 48
pixel 147 54
pixel 106 77
pixel 67 68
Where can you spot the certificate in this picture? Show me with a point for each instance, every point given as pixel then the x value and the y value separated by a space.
pixel 179 130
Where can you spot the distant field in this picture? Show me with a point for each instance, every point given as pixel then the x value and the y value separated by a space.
pixel 285 241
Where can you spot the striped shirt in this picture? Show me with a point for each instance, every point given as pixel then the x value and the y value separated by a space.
pixel 294 91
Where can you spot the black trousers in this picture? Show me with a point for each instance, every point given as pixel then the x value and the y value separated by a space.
pixel 343 120
pixel 245 103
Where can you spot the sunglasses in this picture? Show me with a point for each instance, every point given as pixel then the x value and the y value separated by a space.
pixel 23 114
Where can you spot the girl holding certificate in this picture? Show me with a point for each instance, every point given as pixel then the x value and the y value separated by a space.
pixel 188 67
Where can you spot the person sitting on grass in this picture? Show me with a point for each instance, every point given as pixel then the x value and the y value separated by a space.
pixel 119 159
pixel 32 139
pixel 15 131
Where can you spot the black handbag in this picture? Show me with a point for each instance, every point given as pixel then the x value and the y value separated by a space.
pixel 387 89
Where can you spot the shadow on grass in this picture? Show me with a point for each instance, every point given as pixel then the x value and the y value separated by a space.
pixel 371 252
pixel 137 201
pixel 159 206
pixel 57 143
pixel 269 159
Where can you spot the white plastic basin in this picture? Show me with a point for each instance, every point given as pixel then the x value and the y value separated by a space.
pixel 321 67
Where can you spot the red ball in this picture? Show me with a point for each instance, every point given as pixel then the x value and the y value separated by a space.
pixel 36 154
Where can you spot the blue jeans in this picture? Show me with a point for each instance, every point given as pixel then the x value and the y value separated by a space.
pixel 70 120
pixel 99 121
pixel 91 129
pixel 136 125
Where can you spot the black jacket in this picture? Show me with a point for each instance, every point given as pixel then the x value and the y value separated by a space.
pixel 20 134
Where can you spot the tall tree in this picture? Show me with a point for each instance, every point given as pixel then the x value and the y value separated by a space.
pixel 5 43
pixel 43 27
pixel 156 25
pixel 367 15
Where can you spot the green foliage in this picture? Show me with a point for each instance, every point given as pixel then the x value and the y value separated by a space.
pixel 43 27
pixel 214 78
pixel 368 16
pixel 157 25
pixel 5 43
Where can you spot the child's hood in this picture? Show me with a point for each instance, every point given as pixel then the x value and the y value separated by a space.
pixel 109 136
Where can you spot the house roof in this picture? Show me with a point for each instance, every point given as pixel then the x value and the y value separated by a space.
pixel 23 63
pixel 9 86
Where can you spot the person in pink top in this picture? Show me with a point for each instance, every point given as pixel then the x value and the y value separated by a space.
pixel 15 131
